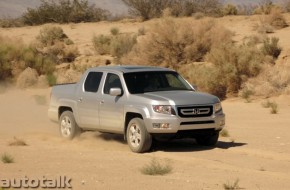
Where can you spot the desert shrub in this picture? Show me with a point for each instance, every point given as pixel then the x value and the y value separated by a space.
pixel 232 185
pixel 230 9
pixel 141 31
pixel 11 22
pixel 115 45
pixel 246 9
pixel 265 7
pixel 17 142
pixel 198 15
pixel 273 80
pixel 115 31
pixel 156 168
pixel 147 9
pixel 272 105
pixel 276 19
pixel 246 94
pixel 154 8
pixel 7 158
pixel 51 79
pixel 64 11
pixel 122 44
pixel 172 43
pixel 54 43
pixel 271 47
pixel 235 64
pixel 287 5
pixel 49 35
pixel 102 44
pixel 224 133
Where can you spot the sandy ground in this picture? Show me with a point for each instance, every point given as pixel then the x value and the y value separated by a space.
pixel 257 151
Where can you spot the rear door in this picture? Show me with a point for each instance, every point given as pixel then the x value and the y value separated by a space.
pixel 89 100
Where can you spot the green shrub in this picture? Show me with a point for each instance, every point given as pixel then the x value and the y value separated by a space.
pixel 64 11
pixel 246 94
pixel 51 79
pixel 271 47
pixel 272 105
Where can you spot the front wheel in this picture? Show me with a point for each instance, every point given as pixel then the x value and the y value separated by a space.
pixel 208 140
pixel 68 126
pixel 139 140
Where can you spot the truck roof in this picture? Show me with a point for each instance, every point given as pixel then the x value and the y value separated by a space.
pixel 129 68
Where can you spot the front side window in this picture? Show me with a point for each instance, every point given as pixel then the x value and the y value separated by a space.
pixel 92 82
pixel 112 81
pixel 142 82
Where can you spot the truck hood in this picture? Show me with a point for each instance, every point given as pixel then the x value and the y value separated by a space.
pixel 182 97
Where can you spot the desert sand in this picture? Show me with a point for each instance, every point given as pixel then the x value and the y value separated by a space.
pixel 257 152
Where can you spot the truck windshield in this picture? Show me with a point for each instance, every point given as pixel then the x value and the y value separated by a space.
pixel 142 82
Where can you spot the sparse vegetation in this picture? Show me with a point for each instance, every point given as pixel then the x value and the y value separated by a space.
pixel 156 168
pixel 115 31
pixel 7 159
pixel 271 47
pixel 224 133
pixel 246 94
pixel 17 142
pixel 116 45
pixel 272 105
pixel 232 186
pixel 64 11
pixel 230 9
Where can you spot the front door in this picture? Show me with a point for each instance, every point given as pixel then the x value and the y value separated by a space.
pixel 111 110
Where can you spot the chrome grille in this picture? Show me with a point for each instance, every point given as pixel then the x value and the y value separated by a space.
pixel 195 111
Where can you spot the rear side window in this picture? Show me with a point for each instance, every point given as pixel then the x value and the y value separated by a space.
pixel 92 82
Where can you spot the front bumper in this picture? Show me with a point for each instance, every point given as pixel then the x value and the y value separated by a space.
pixel 176 123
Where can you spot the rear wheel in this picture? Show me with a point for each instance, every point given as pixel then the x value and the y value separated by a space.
pixel 68 126
pixel 139 140
pixel 208 140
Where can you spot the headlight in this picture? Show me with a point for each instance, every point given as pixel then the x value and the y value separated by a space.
pixel 217 107
pixel 164 109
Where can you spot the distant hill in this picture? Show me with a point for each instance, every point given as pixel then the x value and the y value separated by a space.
pixel 15 8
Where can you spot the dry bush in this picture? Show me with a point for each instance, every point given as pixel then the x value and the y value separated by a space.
pixel 265 7
pixel 172 43
pixel 228 66
pixel 115 45
pixel 271 47
pixel 49 35
pixel 230 9
pixel 11 22
pixel 53 42
pixel 156 168
pixel 102 44
pixel 64 11
pixel 273 80
pixel 276 19
pixel 27 78
pixel 17 142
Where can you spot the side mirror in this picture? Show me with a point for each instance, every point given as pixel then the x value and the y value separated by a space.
pixel 115 92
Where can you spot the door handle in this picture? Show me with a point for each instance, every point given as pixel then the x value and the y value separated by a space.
pixel 80 99
pixel 102 101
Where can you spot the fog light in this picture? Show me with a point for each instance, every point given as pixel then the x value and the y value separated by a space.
pixel 161 125
pixel 222 122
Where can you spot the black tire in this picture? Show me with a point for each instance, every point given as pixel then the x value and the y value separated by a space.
pixel 138 138
pixel 68 127
pixel 208 140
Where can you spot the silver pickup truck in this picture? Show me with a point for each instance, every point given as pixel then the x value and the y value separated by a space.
pixel 142 103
